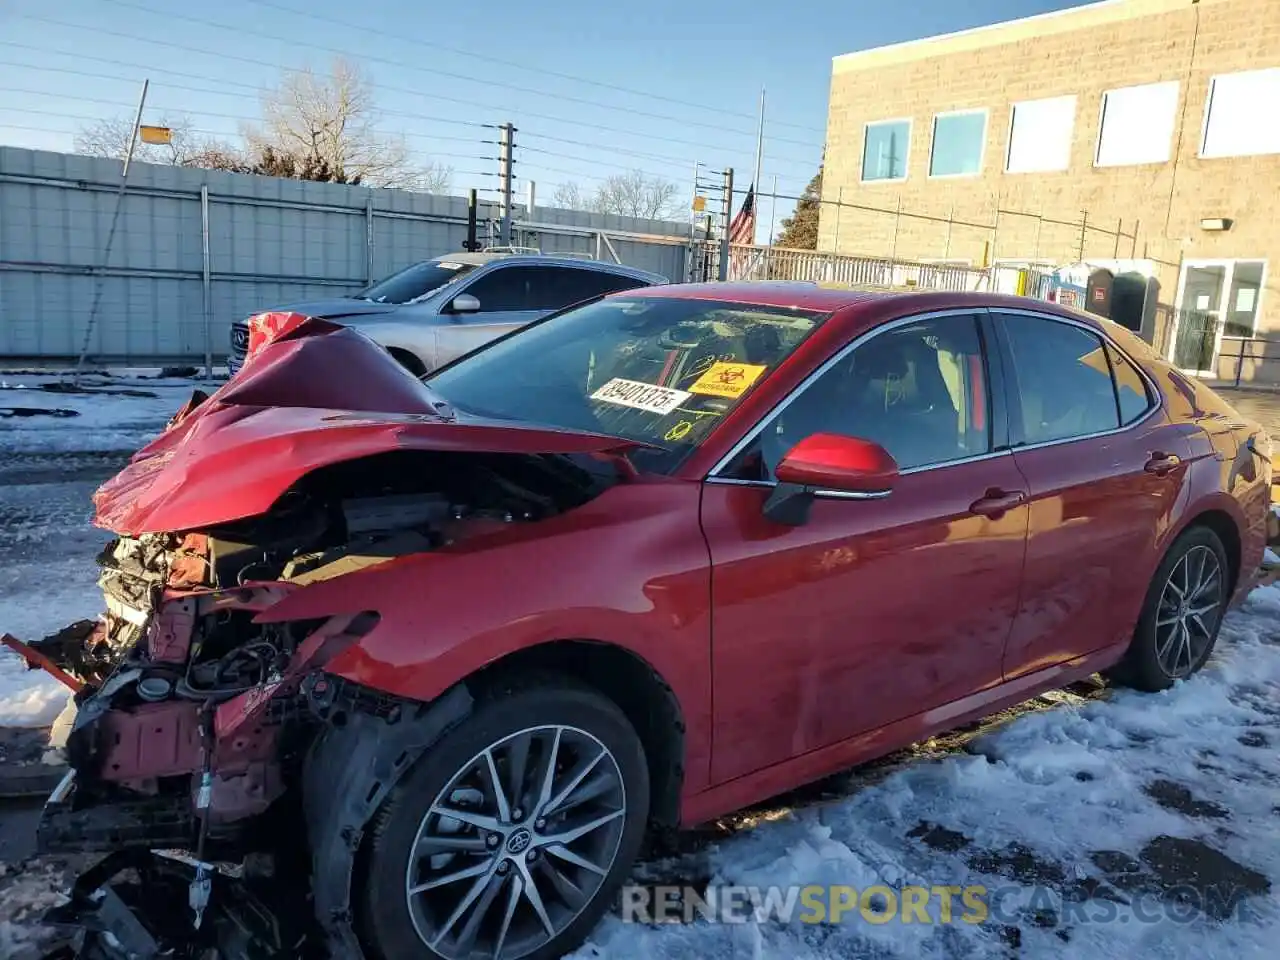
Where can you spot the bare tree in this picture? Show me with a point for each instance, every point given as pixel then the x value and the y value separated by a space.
pixel 633 194
pixel 109 137
pixel 331 120
pixel 568 196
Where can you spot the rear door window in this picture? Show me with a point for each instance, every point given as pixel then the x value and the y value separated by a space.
pixel 566 286
pixel 1062 380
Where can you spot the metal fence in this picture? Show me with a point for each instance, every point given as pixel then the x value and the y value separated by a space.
pixel 973 232
pixel 196 249
pixel 880 273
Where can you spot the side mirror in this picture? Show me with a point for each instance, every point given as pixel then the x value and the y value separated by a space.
pixel 828 464
pixel 464 303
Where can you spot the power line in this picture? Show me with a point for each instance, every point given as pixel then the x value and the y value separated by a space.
pixel 661 158
pixel 564 156
pixel 486 58
pixel 401 65
pixel 700 146
pixel 432 154
pixel 433 151
pixel 223 116
pixel 648 156
pixel 210 133
pixel 217 91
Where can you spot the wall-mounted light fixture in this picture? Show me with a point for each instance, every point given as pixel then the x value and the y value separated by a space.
pixel 1215 223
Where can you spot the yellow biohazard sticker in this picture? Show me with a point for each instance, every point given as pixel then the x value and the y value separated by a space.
pixel 731 380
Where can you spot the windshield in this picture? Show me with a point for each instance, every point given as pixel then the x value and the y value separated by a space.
pixel 415 281
pixel 657 370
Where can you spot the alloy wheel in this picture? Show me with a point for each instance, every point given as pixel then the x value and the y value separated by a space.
pixel 516 845
pixel 1190 607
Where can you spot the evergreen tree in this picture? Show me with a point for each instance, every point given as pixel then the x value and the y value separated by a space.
pixel 800 230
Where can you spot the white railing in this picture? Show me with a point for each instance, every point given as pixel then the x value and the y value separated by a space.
pixel 748 262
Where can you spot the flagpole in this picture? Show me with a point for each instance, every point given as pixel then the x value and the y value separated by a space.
pixel 755 181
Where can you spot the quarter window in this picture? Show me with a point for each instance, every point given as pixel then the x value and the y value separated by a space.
pixel 919 391
pixel 1063 380
pixel 574 285
pixel 1131 389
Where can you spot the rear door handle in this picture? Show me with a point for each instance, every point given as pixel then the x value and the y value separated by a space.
pixel 997 502
pixel 1161 464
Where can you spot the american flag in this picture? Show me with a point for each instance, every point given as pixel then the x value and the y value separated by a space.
pixel 743 228
pixel 742 231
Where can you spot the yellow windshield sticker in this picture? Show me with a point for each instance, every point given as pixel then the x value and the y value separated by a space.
pixel 679 431
pixel 731 380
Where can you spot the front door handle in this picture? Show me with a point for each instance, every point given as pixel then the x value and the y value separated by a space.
pixel 1161 464
pixel 997 503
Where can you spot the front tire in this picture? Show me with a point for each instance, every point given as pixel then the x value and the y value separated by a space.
pixel 511 836
pixel 1181 615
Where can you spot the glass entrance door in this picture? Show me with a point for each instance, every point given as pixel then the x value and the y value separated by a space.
pixel 1199 317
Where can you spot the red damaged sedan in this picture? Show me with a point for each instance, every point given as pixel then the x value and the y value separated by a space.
pixel 431 657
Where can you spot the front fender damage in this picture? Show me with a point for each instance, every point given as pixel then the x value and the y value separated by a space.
pixel 349 772
pixel 227 774
pixel 211 757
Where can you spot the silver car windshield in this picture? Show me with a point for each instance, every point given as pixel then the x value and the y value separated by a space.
pixel 416 281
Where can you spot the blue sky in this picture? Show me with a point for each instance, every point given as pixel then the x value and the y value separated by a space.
pixel 701 62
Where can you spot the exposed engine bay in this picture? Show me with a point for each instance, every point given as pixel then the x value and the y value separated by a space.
pixel 196 725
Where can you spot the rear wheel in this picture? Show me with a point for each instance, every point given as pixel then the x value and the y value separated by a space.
pixel 1182 614
pixel 511 836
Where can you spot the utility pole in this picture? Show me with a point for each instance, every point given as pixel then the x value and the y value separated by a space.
pixel 111 235
pixel 691 273
pixel 723 267
pixel 506 178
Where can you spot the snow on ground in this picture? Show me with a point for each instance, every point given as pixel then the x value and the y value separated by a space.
pixel 112 414
pixel 49 468
pixel 1128 826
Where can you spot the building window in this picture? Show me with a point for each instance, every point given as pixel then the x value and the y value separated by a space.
pixel 1040 135
pixel 1236 120
pixel 884 150
pixel 1241 312
pixel 958 141
pixel 1136 125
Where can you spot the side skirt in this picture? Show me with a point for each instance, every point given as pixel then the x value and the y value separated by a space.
pixel 771 781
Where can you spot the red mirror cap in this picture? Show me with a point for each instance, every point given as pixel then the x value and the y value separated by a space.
pixel 837 462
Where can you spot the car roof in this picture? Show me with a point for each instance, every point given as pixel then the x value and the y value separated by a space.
pixel 828 298
pixel 484 257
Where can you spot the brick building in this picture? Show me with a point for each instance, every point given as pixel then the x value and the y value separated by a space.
pixel 1144 130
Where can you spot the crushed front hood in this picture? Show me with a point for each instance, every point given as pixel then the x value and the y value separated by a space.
pixel 321 395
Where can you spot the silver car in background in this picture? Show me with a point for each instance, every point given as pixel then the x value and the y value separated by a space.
pixel 434 311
